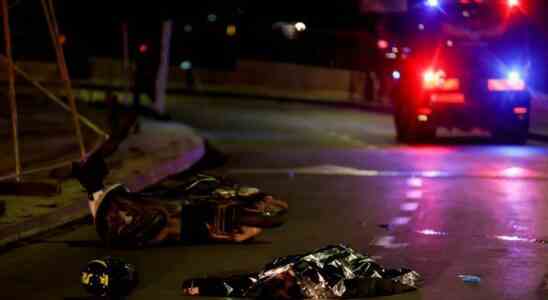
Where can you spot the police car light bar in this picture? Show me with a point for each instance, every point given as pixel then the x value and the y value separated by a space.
pixel 433 3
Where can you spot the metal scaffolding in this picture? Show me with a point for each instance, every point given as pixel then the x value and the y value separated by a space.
pixel 12 69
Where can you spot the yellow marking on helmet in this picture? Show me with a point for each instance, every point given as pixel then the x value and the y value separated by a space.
pixel 104 279
pixel 86 277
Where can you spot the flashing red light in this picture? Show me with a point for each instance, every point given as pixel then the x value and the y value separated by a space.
pixel 143 48
pixel 432 79
pixel 424 111
pixel 519 110
pixel 436 80
pixel 382 44
pixel 513 3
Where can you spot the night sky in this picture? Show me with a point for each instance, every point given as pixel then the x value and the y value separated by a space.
pixel 93 28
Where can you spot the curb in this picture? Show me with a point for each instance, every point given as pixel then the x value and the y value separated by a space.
pixel 538 137
pixel 374 107
pixel 333 102
pixel 79 210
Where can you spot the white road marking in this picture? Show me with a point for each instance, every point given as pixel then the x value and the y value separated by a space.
pixel 409 206
pixel 431 232
pixel 401 221
pixel 389 242
pixel 335 170
pixel 415 182
pixel 413 194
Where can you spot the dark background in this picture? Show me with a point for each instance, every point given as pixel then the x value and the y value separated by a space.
pixel 339 33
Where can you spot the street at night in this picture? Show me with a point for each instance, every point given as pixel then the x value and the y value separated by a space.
pixel 461 207
pixel 276 150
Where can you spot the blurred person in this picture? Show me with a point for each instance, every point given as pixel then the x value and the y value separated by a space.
pixel 146 69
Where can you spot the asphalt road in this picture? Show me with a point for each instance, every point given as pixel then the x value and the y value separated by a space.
pixel 462 206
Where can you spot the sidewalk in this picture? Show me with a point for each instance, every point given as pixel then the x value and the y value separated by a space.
pixel 159 150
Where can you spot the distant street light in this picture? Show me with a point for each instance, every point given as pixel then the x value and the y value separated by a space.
pixel 300 26
pixel 186 65
pixel 62 39
pixel 212 18
pixel 231 30
pixel 143 48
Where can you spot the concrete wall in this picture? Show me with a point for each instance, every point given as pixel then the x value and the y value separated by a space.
pixel 256 77
pixel 282 80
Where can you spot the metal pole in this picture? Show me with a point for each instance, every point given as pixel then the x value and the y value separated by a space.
pixel 11 90
pixel 127 68
pixel 55 99
pixel 54 32
pixel 163 68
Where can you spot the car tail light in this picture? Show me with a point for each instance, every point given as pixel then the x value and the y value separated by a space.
pixel 519 110
pixel 505 85
pixel 423 114
pixel 143 48
pixel 513 82
pixel 382 44
pixel 450 84
pixel 433 78
pixel 436 80
pixel 450 98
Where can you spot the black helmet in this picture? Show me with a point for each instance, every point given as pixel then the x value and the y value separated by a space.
pixel 108 277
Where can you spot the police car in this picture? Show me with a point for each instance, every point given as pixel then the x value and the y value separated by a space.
pixel 468 67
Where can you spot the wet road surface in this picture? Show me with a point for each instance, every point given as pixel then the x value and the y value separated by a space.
pixel 460 207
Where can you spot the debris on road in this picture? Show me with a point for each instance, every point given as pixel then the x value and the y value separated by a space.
pixel 331 272
pixel 109 277
pixel 197 208
pixel 258 208
pixel 470 279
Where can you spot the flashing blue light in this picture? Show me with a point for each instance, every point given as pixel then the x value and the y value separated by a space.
pixel 514 76
pixel 396 75
pixel 433 3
